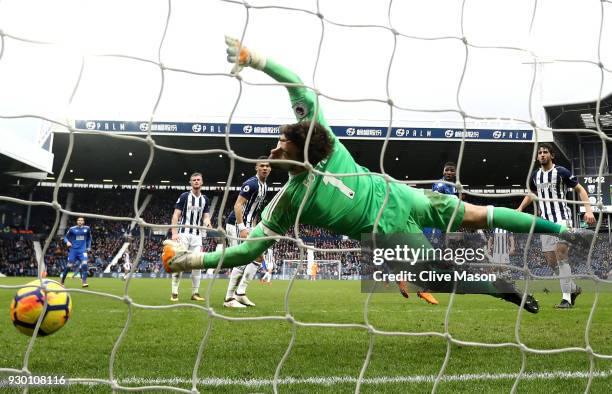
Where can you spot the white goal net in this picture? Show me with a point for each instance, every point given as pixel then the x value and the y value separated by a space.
pixel 313 270
pixel 388 65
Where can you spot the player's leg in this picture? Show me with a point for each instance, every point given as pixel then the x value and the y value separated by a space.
pixel 438 211
pixel 424 294
pixel 235 274
pixel 196 278
pixel 568 288
pixel 267 278
pixel 498 287
pixel 549 246
pixel 184 240
pixel 427 297
pixel 83 270
pixel 64 274
pixel 234 279
pixel 477 217
pixel 195 245
pixel 176 280
pixel 482 217
pixel 70 263
pixel 249 273
pixel 503 262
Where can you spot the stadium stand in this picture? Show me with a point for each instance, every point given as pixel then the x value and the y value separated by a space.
pixel 17 257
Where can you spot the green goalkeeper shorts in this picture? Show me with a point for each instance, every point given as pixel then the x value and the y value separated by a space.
pixel 409 210
pixel 433 209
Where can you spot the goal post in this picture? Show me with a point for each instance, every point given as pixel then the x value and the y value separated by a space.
pixel 303 269
pixel 402 51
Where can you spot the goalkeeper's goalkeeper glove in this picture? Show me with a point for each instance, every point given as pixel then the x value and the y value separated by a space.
pixel 242 57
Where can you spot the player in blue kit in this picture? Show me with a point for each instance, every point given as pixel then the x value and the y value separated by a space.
pixel 78 240
pixel 448 175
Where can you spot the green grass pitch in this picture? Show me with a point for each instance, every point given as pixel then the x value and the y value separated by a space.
pixel 161 345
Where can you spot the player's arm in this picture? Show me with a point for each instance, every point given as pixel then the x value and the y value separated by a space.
pixel 243 232
pixel 206 219
pixel 241 254
pixel 572 182
pixel 303 100
pixel 175 219
pixel 528 199
pixel 68 238
pixel 584 197
pixel 88 241
pixel 276 219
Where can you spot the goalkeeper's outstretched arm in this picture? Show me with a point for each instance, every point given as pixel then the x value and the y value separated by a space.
pixel 278 220
pixel 241 254
pixel 176 259
pixel 303 99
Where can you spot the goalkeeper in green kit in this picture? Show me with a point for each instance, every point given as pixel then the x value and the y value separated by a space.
pixel 347 205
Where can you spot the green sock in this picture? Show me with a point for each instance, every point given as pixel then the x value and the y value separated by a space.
pixel 520 222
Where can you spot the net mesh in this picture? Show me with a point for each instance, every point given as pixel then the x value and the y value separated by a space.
pixel 7 38
pixel 300 269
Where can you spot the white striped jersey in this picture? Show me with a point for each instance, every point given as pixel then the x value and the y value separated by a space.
pixel 501 242
pixel 192 210
pixel 254 191
pixel 126 262
pixel 550 184
pixel 268 261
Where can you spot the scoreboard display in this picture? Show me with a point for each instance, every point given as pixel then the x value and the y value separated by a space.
pixel 598 189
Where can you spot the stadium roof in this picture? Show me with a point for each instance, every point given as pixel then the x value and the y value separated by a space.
pixel 15 172
pixel 581 115
pixel 97 158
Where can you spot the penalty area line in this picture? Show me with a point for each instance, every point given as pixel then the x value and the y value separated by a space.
pixel 333 380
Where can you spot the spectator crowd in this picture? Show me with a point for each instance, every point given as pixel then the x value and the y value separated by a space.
pixel 17 257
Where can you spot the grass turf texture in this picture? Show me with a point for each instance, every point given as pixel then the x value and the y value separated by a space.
pixel 163 343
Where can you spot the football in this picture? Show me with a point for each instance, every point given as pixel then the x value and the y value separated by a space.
pixel 29 303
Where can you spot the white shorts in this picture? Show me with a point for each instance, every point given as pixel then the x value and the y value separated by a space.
pixel 549 242
pixel 192 242
pixel 231 231
pixel 501 258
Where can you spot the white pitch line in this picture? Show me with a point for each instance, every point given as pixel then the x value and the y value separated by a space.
pixel 333 380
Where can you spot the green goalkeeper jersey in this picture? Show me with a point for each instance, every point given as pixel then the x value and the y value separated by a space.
pixel 347 204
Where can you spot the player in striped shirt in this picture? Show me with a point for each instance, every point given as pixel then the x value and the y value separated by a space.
pixel 552 182
pixel 191 209
pixel 127 265
pixel 240 222
pixel 267 266
pixel 350 205
pixel 501 246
